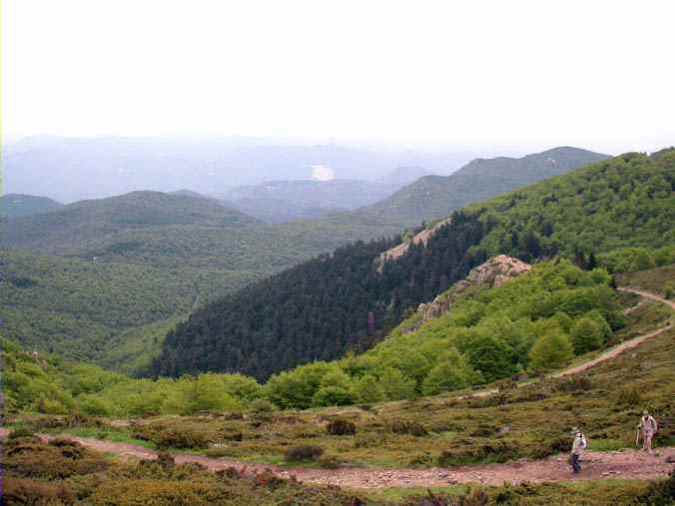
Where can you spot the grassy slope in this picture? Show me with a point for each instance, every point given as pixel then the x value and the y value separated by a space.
pixel 653 280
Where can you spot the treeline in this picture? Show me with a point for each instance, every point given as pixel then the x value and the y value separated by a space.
pixel 324 307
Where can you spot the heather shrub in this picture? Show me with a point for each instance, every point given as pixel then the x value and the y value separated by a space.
pixel 408 427
pixel 341 427
pixel 303 453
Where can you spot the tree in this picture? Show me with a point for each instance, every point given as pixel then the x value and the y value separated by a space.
pixel 395 385
pixel 551 351
pixel 587 335
pixel 368 389
pixel 451 373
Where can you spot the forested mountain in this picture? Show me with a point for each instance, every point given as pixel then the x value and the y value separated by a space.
pixel 73 227
pixel 434 197
pixel 323 307
pixel 281 201
pixel 13 205
pixel 76 307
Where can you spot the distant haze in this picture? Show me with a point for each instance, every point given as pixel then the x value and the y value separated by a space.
pixel 69 169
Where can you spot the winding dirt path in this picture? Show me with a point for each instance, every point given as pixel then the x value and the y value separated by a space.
pixel 647 295
pixel 629 464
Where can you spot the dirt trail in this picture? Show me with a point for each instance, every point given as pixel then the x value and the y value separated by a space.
pixel 647 295
pixel 629 464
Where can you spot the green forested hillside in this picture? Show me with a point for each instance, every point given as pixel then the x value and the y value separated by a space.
pixel 14 205
pixel 535 323
pixel 434 197
pixel 321 308
pixel 70 229
pixel 76 307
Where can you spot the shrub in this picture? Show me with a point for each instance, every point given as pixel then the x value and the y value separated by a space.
pixel 669 290
pixel 574 384
pixel 22 491
pixel 341 427
pixel 468 452
pixel 303 453
pixel 21 432
pixel 259 406
pixel 173 437
pixel 408 427
pixel 629 396
pixel 330 462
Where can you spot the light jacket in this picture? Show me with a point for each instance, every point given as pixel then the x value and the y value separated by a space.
pixel 579 445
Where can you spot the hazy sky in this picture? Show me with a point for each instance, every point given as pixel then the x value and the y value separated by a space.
pixel 591 73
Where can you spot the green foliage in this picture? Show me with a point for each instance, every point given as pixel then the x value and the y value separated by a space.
pixel 587 335
pixel 451 373
pixel 343 301
pixel 551 351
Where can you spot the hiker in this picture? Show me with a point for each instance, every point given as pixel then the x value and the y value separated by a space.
pixel 578 446
pixel 648 427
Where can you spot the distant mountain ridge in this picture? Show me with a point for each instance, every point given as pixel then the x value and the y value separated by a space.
pixel 15 205
pixel 283 201
pixel 434 197
pixel 72 226
pixel 64 168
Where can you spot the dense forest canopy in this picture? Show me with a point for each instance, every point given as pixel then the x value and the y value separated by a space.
pixel 320 309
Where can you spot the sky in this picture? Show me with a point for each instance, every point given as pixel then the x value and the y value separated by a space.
pixel 464 73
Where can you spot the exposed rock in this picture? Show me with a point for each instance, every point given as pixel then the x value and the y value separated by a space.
pixel 494 273
pixel 398 251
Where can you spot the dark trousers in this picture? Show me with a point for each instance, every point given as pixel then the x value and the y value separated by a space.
pixel 576 467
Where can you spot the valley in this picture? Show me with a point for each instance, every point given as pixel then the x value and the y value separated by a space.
pixel 448 362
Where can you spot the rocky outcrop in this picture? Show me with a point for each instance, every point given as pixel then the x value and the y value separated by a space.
pixel 398 251
pixel 494 273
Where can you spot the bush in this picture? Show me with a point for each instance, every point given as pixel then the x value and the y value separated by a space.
pixel 259 406
pixel 574 384
pixel 408 427
pixel 330 462
pixel 341 427
pixel 21 432
pixel 468 452
pixel 303 453
pixel 22 491
pixel 629 396
pixel 173 437
pixel 669 290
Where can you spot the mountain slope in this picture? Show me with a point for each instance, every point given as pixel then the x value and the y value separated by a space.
pixel 16 206
pixel 434 197
pixel 77 308
pixel 281 201
pixel 321 308
pixel 75 225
